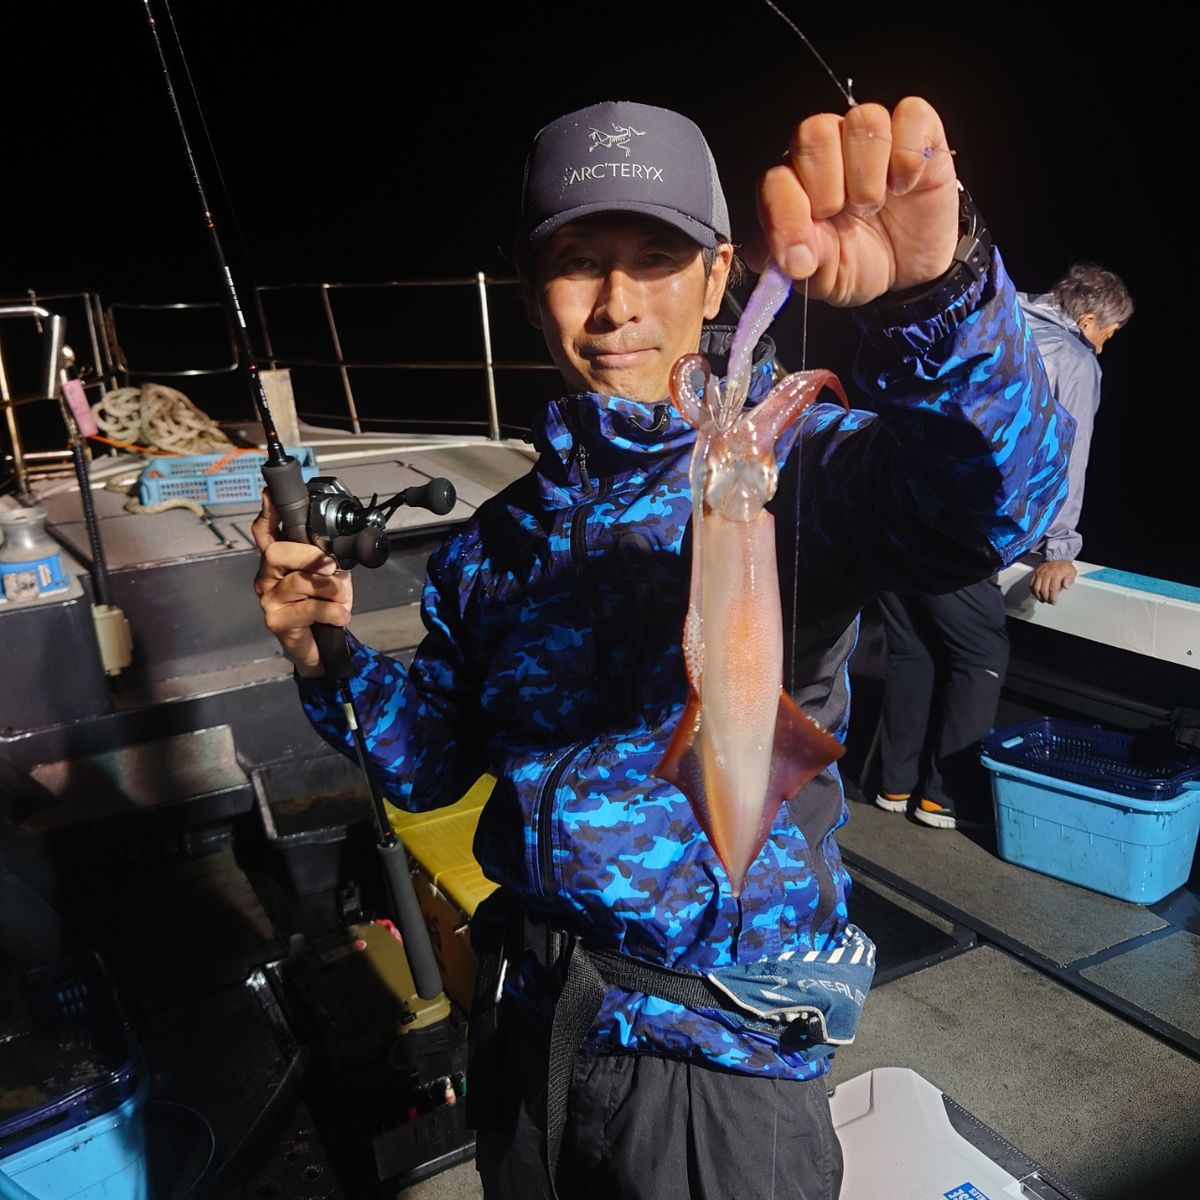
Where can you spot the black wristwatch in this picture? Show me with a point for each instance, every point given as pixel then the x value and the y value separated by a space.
pixel 972 256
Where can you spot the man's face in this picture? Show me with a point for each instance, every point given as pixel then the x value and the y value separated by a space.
pixel 619 297
pixel 1096 333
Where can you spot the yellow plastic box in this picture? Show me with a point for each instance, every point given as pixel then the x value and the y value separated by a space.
pixel 449 882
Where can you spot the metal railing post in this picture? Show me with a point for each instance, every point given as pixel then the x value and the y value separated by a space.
pixel 488 366
pixel 10 411
pixel 337 350
pixel 105 366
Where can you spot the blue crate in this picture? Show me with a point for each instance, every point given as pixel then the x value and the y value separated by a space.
pixel 1082 804
pixel 85 1137
pixel 239 481
pixel 1096 757
pixel 102 1159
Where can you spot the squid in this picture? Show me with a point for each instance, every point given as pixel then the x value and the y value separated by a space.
pixel 742 746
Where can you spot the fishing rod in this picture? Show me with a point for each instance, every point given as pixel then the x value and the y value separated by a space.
pixel 324 513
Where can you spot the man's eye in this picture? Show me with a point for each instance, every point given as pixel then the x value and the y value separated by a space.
pixel 575 264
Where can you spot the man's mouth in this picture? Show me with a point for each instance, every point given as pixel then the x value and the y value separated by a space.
pixel 615 356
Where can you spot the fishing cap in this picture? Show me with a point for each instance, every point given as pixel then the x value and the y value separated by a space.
pixel 618 156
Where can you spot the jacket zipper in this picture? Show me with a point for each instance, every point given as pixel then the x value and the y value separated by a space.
pixel 545 814
pixel 544 859
pixel 594 490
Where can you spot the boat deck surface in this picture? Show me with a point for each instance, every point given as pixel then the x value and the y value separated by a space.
pixel 1064 1019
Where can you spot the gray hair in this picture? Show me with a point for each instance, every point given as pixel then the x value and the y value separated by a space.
pixel 1088 288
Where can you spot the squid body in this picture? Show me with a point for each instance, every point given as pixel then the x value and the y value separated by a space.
pixel 742 746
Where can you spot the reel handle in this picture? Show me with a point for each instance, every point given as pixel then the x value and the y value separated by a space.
pixel 438 496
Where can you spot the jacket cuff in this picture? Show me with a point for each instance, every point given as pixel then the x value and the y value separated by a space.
pixel 940 307
pixel 322 687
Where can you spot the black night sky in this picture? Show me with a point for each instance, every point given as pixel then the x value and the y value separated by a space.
pixel 369 141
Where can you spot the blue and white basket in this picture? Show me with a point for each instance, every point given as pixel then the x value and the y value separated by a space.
pixel 237 481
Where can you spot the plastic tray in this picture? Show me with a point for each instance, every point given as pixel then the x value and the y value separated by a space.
pixel 237 481
pixel 74 1089
pixel 310 809
pixel 1094 757
pixel 73 1057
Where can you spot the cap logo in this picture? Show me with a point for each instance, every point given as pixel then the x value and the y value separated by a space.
pixel 619 138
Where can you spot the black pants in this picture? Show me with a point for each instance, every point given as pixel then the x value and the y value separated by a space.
pixel 946 660
pixel 641 1127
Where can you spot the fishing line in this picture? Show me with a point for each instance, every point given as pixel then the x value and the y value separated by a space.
pixel 796 515
pixel 847 91
pixel 276 456
pixel 837 83
pixel 212 150
pixel 290 494
pixel 925 152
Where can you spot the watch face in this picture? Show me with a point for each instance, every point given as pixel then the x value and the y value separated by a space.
pixel 974 249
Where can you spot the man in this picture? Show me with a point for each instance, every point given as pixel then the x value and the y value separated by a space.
pixel 1071 324
pixel 962 635
pixel 555 618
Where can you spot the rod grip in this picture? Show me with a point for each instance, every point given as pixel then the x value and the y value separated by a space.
pixel 289 494
pixel 411 921
pixel 334 650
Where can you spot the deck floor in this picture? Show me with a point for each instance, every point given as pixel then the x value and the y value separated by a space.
pixel 1066 1020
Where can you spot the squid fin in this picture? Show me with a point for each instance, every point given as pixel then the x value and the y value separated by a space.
pixel 681 763
pixel 802 750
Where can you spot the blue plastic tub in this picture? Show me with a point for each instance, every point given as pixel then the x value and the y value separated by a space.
pixel 102 1159
pixel 72 1089
pixel 1083 804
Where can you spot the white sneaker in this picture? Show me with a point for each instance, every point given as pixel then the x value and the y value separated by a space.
pixel 892 803
pixel 937 816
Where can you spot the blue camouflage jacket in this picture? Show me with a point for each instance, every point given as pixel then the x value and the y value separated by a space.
pixel 553 653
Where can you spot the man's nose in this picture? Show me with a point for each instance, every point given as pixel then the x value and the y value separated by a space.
pixel 617 304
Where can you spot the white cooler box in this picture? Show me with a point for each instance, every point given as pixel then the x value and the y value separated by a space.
pixel 903 1139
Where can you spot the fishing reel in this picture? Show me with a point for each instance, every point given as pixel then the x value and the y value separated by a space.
pixel 354 533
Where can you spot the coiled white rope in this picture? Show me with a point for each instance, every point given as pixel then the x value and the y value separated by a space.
pixel 159 418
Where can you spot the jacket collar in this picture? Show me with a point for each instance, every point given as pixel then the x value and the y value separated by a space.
pixel 617 434
pixel 1045 308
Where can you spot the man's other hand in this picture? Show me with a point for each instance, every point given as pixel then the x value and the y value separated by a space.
pixel 866 203
pixel 1050 578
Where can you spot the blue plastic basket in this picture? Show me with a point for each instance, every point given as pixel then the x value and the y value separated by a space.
pixel 1084 805
pixel 1096 757
pixel 238 481
pixel 72 1089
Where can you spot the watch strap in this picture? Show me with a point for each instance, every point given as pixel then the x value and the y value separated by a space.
pixel 970 262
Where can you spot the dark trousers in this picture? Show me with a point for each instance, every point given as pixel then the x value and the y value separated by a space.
pixel 946 660
pixel 640 1127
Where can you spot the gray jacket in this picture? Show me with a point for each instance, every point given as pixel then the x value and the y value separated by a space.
pixel 1073 369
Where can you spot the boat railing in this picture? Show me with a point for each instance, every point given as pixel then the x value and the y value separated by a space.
pixel 288 332
pixel 30 364
pixel 487 363
pixel 226 363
